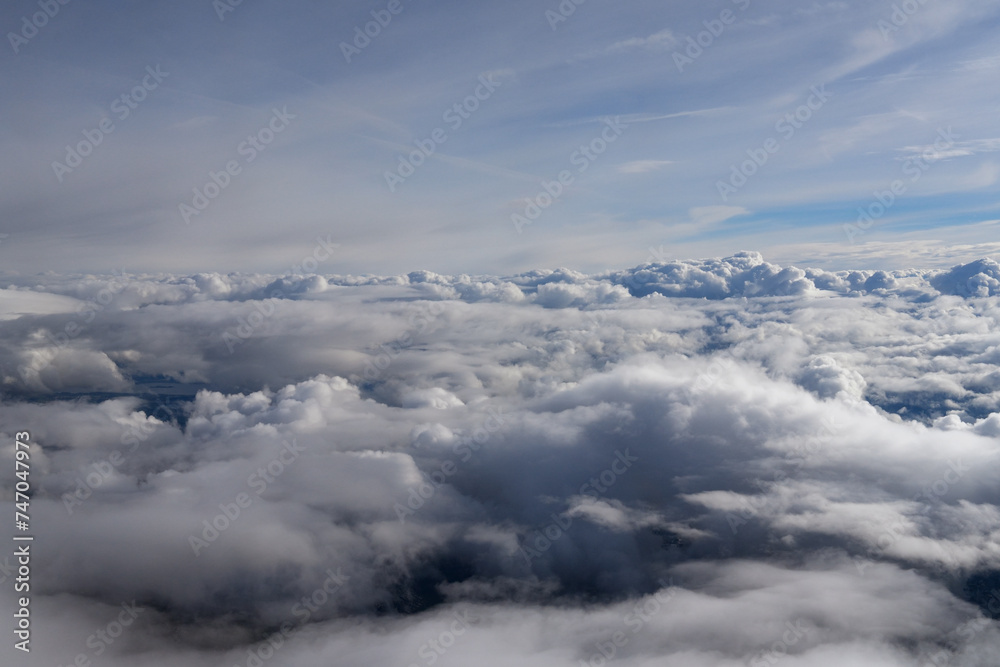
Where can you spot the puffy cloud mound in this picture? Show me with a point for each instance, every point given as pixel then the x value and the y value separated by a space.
pixel 744 274
pixel 719 462
pixel 980 278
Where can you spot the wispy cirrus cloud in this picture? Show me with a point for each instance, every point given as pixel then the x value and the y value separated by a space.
pixel 663 40
pixel 643 166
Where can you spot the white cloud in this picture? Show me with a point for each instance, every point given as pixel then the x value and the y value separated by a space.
pixel 643 166
pixel 710 215
pixel 511 445
pixel 658 42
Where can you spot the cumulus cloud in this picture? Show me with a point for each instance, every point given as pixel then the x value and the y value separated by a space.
pixel 414 469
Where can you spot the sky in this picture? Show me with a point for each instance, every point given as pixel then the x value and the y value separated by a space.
pixel 874 89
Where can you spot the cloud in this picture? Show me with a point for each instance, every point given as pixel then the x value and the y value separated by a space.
pixel 931 152
pixel 650 117
pixel 15 303
pixel 642 166
pixel 552 455
pixel 710 215
pixel 663 40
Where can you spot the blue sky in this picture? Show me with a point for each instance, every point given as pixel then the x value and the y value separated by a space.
pixel 892 84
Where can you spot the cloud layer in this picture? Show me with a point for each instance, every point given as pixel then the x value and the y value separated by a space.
pixel 717 462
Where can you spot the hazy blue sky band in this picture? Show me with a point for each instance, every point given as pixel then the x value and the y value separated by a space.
pixel 391 88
